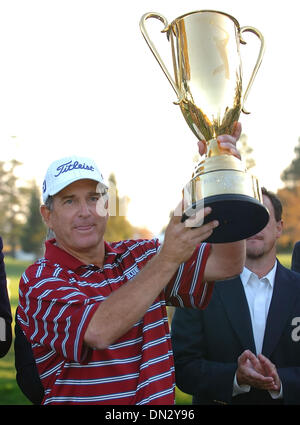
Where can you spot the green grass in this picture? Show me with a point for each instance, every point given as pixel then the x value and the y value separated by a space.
pixel 10 394
pixel 285 260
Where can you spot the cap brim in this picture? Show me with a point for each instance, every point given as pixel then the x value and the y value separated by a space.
pixel 62 186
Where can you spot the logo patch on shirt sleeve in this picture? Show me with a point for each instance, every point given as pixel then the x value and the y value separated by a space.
pixel 132 272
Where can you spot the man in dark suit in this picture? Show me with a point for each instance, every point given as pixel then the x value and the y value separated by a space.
pixel 244 348
pixel 5 311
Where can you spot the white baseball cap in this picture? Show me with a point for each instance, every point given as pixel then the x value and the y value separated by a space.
pixel 67 170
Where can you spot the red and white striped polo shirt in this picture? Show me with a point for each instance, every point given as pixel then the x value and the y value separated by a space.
pixel 58 297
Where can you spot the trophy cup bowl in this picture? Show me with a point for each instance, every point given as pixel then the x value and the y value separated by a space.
pixel 207 66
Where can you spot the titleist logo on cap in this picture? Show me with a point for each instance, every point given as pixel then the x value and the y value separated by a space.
pixel 68 166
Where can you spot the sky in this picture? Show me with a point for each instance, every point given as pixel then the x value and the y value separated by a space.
pixel 77 77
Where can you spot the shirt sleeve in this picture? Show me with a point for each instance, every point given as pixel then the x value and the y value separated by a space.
pixel 239 389
pixel 55 314
pixel 187 287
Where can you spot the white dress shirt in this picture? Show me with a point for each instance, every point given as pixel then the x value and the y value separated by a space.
pixel 259 294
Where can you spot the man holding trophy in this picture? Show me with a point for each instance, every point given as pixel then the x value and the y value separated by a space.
pixel 95 313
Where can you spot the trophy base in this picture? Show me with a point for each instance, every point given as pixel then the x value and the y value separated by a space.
pixel 239 216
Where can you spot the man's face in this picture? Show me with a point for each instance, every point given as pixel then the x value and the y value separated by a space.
pixel 265 241
pixel 74 218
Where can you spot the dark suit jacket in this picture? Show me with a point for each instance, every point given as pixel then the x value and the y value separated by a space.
pixel 207 343
pixel 5 311
pixel 296 257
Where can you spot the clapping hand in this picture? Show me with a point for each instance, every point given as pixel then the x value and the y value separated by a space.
pixel 258 372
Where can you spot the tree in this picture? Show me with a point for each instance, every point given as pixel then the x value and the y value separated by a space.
pixel 12 203
pixel 34 230
pixel 291 175
pixel 291 217
pixel 289 197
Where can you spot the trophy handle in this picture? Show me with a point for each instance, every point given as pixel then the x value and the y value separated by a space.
pixel 258 62
pixel 155 52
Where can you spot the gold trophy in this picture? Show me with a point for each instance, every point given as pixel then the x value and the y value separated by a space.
pixel 208 83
